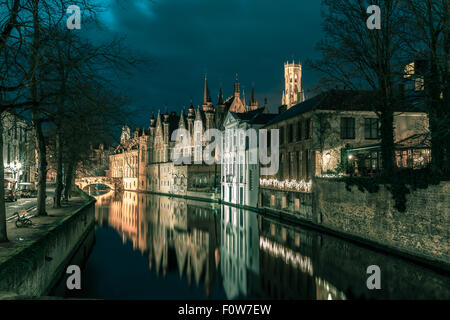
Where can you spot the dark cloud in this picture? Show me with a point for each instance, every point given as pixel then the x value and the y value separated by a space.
pixel 187 38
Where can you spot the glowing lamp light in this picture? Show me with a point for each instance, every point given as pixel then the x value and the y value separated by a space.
pixel 350 156
pixel 328 156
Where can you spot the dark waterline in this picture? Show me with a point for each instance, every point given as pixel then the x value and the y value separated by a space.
pixel 156 247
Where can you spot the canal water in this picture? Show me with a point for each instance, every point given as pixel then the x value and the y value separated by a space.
pixel 157 247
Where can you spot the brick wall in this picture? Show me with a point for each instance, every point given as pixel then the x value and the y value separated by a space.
pixel 422 230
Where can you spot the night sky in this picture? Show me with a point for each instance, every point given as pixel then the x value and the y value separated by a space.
pixel 184 39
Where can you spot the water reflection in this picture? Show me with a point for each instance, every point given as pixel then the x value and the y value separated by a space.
pixel 236 254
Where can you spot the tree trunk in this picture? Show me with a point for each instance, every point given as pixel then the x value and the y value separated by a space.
pixel 42 169
pixel 3 233
pixel 37 122
pixel 433 87
pixel 59 168
pixel 446 84
pixel 387 118
pixel 387 144
pixel 69 176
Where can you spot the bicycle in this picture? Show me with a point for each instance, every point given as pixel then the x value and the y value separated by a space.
pixel 22 221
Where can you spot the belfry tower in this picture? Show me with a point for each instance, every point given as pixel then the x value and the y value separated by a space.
pixel 293 93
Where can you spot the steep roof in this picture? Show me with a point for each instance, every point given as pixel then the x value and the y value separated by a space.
pixel 257 116
pixel 343 100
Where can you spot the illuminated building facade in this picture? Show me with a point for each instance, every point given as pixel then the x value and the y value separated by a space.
pixel 19 152
pixel 292 93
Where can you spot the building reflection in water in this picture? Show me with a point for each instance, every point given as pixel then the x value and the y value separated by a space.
pixel 212 244
pixel 245 254
pixel 239 251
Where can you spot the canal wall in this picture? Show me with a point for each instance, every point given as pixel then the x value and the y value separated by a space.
pixel 35 270
pixel 288 203
pixel 190 195
pixel 421 231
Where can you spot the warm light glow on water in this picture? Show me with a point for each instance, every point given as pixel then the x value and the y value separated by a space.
pixel 156 247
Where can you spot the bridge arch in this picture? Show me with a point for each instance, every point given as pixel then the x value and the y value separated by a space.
pixel 113 184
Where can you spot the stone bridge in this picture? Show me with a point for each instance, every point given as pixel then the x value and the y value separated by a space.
pixel 113 183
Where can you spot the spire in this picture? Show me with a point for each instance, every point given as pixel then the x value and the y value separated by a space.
pixel 236 87
pixel 152 120
pixel 182 119
pixel 253 95
pixel 220 102
pixel 166 114
pixel 253 102
pixel 206 96
pixel 198 115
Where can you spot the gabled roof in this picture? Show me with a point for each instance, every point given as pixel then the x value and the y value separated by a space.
pixel 343 100
pixel 257 116
pixel 247 116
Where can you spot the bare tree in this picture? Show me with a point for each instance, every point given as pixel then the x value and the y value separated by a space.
pixel 11 10
pixel 428 40
pixel 356 57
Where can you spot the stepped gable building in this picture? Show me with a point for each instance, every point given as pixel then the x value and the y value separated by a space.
pixel 124 162
pixel 144 160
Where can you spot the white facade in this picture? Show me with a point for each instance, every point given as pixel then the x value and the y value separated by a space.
pixel 240 168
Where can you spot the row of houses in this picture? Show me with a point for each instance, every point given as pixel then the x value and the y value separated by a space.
pixel 336 132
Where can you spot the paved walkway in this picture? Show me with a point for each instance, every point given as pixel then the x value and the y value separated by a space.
pixel 28 204
pixel 22 237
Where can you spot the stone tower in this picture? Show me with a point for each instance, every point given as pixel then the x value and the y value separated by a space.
pixel 293 93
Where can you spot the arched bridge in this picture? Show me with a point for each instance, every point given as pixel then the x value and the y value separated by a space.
pixel 113 183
